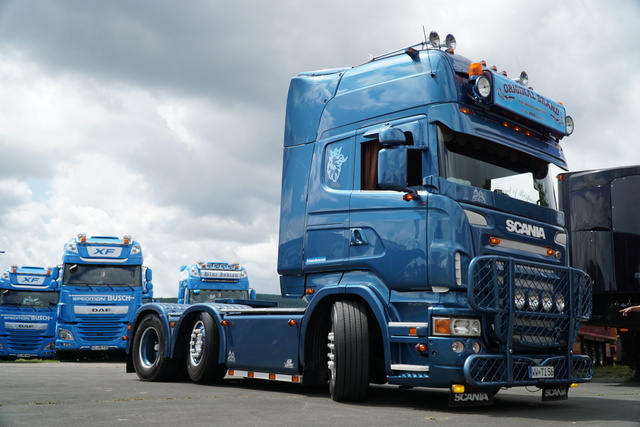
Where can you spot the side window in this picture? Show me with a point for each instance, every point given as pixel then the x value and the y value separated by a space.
pixel 369 161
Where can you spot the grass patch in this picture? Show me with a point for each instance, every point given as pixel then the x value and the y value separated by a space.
pixel 622 373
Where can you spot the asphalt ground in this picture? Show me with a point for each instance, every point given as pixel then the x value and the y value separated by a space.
pixel 102 394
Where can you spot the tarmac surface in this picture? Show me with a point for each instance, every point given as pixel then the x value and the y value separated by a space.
pixel 102 394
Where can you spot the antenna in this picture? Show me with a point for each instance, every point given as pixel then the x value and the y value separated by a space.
pixel 424 32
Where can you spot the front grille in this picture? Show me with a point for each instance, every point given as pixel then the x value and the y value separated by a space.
pixel 25 341
pixel 102 332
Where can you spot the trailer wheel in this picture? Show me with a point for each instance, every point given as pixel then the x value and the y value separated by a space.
pixel 348 343
pixel 149 343
pixel 203 348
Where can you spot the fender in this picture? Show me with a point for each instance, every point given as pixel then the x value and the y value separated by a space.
pixel 214 310
pixel 366 286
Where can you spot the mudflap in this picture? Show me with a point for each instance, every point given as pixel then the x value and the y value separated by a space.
pixel 551 394
pixel 471 397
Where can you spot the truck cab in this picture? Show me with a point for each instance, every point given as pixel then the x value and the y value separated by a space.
pixel 213 281
pixel 28 307
pixel 103 282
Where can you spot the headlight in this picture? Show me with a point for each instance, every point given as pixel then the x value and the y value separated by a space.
pixel 533 300
pixel 547 301
pixel 194 271
pixel 65 334
pixel 560 303
pixel 50 346
pixel 482 87
pixel 457 327
pixel 570 125
pixel 520 299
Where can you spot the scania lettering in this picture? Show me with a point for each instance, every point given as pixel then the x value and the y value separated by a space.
pixel 28 307
pixel 399 177
pixel 214 281
pixel 103 284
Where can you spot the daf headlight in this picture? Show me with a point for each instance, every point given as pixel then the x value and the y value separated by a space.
pixel 50 346
pixel 456 327
pixel 65 334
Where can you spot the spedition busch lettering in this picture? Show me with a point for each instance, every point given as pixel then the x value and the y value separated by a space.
pixel 521 90
pixel 526 229
pixel 102 298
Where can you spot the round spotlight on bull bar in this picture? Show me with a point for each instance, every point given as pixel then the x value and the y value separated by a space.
pixel 533 300
pixel 520 299
pixel 560 303
pixel 569 122
pixel 547 302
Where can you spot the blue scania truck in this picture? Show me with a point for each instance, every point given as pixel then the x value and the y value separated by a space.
pixel 418 219
pixel 213 281
pixel 103 283
pixel 28 306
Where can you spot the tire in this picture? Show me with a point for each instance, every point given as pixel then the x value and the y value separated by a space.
pixel 348 343
pixel 148 351
pixel 203 348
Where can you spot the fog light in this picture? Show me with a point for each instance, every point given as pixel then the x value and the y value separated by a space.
pixel 476 347
pixel 457 347
pixel 569 125
pixel 482 87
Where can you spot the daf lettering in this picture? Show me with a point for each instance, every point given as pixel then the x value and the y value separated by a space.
pixel 101 310
pixel 525 229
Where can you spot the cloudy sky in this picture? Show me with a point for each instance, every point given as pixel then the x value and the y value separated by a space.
pixel 164 119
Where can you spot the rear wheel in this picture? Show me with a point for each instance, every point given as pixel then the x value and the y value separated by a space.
pixel 148 351
pixel 348 343
pixel 203 349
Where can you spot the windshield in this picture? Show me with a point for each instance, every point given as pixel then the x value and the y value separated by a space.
pixel 31 299
pixel 102 275
pixel 208 295
pixel 468 160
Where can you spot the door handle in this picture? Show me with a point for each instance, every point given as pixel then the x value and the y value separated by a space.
pixel 357 237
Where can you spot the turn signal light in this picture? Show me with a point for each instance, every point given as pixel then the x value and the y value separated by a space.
pixel 494 241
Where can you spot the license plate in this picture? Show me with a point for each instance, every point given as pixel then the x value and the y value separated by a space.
pixel 99 347
pixel 23 355
pixel 536 372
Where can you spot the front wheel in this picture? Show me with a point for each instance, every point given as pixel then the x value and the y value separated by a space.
pixel 348 343
pixel 203 349
pixel 149 341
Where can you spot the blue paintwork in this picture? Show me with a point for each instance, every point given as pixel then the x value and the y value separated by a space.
pixel 341 237
pixel 97 315
pixel 28 307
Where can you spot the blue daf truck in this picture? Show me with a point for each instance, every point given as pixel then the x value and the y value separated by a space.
pixel 213 281
pixel 28 306
pixel 103 282
pixel 418 219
